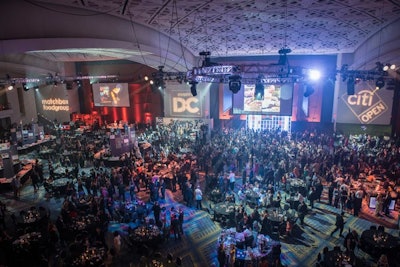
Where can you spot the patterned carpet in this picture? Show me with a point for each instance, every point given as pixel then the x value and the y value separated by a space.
pixel 198 245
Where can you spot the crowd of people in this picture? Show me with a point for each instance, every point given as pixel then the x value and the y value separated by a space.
pixel 264 162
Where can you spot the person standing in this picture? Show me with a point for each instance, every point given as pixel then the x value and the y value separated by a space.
pixel 180 219
pixel 3 210
pixel 16 185
pixel 386 203
pixel 157 212
pixel 302 211
pixel 339 224
pixel 35 180
pixel 188 194
pixel 163 187
pixel 379 205
pixel 358 202
pixel 330 193
pixel 198 196
pixel 221 255
pixel 117 243
pixel 232 180
pixel 175 226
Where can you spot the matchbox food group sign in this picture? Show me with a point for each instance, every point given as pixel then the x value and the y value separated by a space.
pixel 368 105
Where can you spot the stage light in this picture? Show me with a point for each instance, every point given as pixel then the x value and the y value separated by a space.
pixel 146 78
pixel 379 66
pixel 235 83
pixel 314 75
pixel 25 87
pixel 160 84
pixel 380 83
pixel 389 67
pixel 193 88
pixel 11 86
pixel 309 90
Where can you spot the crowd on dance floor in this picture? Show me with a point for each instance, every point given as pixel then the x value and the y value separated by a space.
pixel 246 167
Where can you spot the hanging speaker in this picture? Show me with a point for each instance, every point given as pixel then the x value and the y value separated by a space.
pixel 350 86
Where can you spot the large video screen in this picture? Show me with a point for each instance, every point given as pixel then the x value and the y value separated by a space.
pixel 264 99
pixel 110 95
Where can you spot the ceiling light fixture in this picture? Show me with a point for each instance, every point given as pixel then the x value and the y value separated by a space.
pixel 235 83
pixel 380 83
pixel 193 88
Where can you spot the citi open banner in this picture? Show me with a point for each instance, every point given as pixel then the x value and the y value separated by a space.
pixel 368 105
pixel 179 102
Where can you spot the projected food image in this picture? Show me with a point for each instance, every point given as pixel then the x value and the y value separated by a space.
pixel 265 99
pixel 271 102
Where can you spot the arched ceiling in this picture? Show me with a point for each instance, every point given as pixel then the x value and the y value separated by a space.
pixel 231 28
pixel 254 27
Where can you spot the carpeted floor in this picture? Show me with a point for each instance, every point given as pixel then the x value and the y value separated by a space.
pixel 198 245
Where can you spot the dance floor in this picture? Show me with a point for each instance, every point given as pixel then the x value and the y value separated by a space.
pixel 198 245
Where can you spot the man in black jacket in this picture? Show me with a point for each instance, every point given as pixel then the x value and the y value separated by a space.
pixel 339 224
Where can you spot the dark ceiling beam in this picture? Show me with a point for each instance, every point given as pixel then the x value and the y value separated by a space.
pixel 123 7
pixel 83 2
pixel 159 11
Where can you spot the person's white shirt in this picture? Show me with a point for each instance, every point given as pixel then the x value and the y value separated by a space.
pixel 231 177
pixel 198 194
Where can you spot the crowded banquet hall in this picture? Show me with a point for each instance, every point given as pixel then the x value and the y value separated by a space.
pixel 199 133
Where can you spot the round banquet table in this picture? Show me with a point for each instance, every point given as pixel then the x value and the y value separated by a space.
pixel 293 202
pixel 376 242
pixel 297 185
pixel 60 185
pixel 84 223
pixel 60 182
pixel 224 208
pixel 148 234
pixel 31 217
pixel 28 249
pixel 262 248
pixel 216 195
pixel 252 198
pixel 334 258
pixel 92 256
pixel 27 240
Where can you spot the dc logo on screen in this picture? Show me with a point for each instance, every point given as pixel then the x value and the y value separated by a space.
pixel 181 105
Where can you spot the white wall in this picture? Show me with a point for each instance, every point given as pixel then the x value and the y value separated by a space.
pixel 29 104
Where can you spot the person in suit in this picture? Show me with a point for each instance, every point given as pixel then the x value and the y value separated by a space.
pixel 221 255
pixel 339 224
pixel 302 211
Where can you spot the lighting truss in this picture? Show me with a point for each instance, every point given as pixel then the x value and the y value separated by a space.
pixel 50 79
